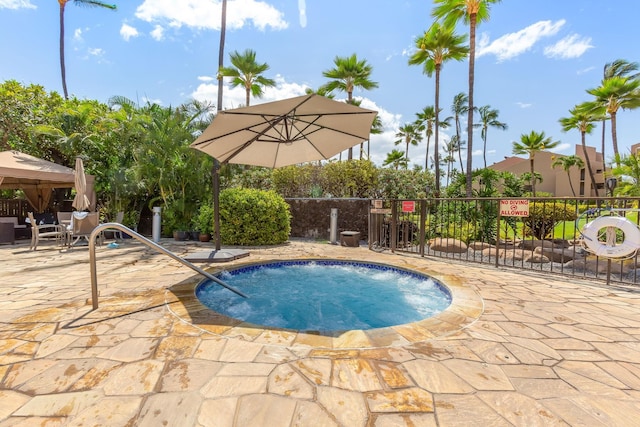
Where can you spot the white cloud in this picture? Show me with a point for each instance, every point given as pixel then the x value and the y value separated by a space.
pixel 562 147
pixel 16 4
pixel 586 70
pixel 382 144
pixel 514 44
pixel 302 9
pixel 127 32
pixel 205 14
pixel 157 33
pixel 523 104
pixel 569 47
pixel 236 97
pixel 95 51
pixel 206 78
pixel 77 34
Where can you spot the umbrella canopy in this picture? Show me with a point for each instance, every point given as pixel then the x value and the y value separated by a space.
pixel 286 132
pixel 36 177
pixel 81 201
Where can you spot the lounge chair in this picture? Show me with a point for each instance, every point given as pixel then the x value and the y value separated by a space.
pixel 39 231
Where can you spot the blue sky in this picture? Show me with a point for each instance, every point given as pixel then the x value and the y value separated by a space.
pixel 535 61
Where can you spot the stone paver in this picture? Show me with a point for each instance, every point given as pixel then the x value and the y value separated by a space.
pixel 514 349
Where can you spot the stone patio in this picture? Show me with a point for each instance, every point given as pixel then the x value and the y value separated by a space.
pixel 515 349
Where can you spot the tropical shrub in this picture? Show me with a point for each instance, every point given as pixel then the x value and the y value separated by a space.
pixel 253 217
pixel 403 183
pixel 355 178
pixel 296 180
pixel 544 216
pixel 203 221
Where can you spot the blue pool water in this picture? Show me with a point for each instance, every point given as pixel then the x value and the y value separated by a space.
pixel 325 295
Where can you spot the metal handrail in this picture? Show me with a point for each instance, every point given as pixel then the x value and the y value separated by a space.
pixel 114 225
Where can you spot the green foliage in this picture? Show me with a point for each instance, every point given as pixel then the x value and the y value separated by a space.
pixel 513 185
pixel 403 184
pixel 628 169
pixel 203 221
pixel 544 216
pixel 250 177
pixel 296 180
pixel 466 221
pixel 355 178
pixel 253 217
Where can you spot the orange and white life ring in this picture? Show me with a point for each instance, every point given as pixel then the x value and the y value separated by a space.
pixel 629 245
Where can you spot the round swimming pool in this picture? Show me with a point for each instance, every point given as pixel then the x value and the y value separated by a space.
pixel 325 295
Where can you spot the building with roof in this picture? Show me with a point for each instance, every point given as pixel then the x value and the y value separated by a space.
pixel 555 180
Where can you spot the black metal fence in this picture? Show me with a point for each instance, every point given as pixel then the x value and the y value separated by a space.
pixel 552 237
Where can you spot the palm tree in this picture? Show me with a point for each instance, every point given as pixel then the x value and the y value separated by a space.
pixel 472 12
pixel 488 117
pixel 630 168
pixel 437 45
pixel 530 144
pixel 567 162
pixel 426 119
pixel 63 4
pixel 409 134
pixel 450 159
pixel 618 68
pixel 349 73
pixel 460 106
pixel 396 159
pixel 584 121
pixel 615 93
pixel 246 72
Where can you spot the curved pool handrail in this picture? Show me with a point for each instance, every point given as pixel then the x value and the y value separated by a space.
pixel 117 226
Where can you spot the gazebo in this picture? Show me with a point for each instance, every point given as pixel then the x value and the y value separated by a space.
pixel 37 178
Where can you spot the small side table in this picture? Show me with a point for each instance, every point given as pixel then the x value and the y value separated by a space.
pixel 350 238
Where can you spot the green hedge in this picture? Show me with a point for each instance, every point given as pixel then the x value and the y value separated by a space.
pixel 253 217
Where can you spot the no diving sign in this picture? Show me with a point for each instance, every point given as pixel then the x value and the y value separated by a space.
pixel 514 207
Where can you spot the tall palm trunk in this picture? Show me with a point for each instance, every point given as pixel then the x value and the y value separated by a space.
pixel 63 71
pixel 436 150
pixel 349 99
pixel 571 183
pixel 484 150
pixel 588 162
pixel 426 162
pixel 472 64
pixel 614 138
pixel 533 176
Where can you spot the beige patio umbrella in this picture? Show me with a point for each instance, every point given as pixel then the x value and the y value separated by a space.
pixel 81 201
pixel 285 132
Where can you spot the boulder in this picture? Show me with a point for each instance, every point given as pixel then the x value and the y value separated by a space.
pixel 592 265
pixel 534 258
pixel 511 256
pixel 478 246
pixel 560 255
pixel 555 243
pixel 448 245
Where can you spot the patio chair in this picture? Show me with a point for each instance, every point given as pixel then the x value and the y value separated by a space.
pixel 64 218
pixel 39 231
pixel 117 234
pixel 82 224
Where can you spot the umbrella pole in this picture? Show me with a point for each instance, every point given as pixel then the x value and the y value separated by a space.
pixel 215 172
